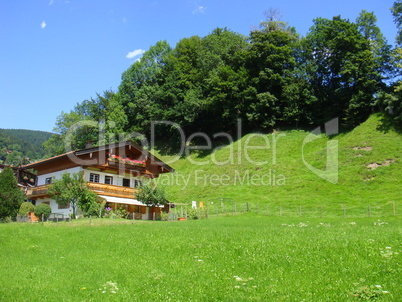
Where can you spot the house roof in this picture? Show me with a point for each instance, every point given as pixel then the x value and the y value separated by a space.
pixel 37 163
pixel 89 150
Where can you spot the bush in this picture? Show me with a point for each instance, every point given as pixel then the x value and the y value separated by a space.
pixel 44 209
pixel 193 214
pixel 93 209
pixel 164 216
pixel 25 208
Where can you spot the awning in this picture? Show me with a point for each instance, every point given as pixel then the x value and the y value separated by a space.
pixel 122 200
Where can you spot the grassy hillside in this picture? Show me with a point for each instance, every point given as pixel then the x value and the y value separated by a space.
pixel 369 171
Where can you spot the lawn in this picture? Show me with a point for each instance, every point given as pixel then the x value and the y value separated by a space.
pixel 248 257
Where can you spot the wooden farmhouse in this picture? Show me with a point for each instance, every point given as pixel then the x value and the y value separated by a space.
pixel 115 172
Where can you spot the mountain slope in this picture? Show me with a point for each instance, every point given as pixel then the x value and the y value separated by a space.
pixel 369 170
pixel 25 142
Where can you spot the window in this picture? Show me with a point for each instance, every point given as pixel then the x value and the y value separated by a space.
pixel 48 180
pixel 126 182
pixel 63 207
pixel 137 183
pixel 108 180
pixel 93 177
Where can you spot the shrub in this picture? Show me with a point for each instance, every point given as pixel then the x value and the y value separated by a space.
pixel 164 216
pixel 25 208
pixel 44 209
pixel 192 214
pixel 94 209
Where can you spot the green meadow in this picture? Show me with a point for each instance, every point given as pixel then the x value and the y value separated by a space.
pixel 247 257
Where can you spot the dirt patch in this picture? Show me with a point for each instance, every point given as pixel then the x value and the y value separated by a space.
pixel 386 163
pixel 366 148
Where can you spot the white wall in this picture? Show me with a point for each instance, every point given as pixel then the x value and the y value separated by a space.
pixel 57 174
pixel 55 207
pixel 117 179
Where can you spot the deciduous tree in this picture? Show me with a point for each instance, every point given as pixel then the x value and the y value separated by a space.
pixel 152 195
pixel 72 189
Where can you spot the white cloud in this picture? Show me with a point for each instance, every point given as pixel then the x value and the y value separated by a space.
pixel 135 53
pixel 51 2
pixel 200 10
pixel 43 24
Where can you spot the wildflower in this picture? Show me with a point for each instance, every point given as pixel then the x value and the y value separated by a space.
pixel 236 286
pixel 353 223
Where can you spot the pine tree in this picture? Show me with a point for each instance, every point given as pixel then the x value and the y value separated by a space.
pixel 11 196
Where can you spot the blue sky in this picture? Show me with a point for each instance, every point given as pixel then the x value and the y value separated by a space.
pixel 57 53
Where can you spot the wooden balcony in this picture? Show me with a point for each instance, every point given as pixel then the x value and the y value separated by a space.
pixel 37 192
pixel 112 190
pixel 98 188
pixel 125 166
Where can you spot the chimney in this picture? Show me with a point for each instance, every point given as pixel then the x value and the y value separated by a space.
pixel 89 144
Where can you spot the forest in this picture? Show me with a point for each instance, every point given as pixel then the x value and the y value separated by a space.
pixel 18 146
pixel 273 78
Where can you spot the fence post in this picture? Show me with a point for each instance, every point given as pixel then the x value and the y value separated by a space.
pixel 90 219
pixel 248 208
pixel 369 211
pixel 300 210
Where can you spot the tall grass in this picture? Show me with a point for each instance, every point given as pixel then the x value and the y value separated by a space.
pixel 237 258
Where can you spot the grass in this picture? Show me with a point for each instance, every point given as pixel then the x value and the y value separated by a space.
pixel 273 172
pixel 236 258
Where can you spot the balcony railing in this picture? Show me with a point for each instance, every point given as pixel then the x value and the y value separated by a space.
pixel 112 190
pixel 98 188
pixel 126 166
pixel 37 191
